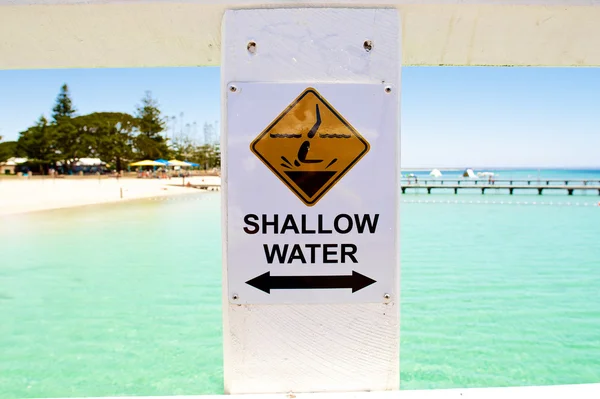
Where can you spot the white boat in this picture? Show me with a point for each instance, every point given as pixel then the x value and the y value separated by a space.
pixel 435 173
pixel 469 173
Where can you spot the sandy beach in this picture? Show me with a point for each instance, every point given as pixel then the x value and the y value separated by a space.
pixel 24 195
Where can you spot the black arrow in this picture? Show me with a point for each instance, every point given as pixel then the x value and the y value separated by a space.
pixel 265 282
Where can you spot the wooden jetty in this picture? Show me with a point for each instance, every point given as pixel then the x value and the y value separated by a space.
pixel 484 181
pixel 206 186
pixel 509 187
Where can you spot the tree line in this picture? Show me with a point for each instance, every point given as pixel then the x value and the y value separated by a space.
pixel 115 137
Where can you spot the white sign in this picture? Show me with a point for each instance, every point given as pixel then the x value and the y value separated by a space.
pixel 313 193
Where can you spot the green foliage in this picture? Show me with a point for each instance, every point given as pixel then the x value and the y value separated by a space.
pixel 64 105
pixel 114 137
pixel 39 144
pixel 73 141
pixel 208 156
pixel 8 149
pixel 150 124
pixel 70 143
pixel 108 136
pixel 183 147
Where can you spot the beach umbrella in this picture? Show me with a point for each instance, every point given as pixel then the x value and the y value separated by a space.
pixel 174 162
pixel 163 161
pixel 146 162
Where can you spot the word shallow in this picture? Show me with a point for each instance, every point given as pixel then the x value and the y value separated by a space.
pixel 302 224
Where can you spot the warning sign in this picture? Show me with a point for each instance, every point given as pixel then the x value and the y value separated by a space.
pixel 284 251
pixel 310 146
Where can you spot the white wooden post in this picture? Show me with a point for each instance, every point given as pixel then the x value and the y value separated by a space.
pixel 324 317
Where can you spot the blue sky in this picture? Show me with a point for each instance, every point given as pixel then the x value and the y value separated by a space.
pixel 451 117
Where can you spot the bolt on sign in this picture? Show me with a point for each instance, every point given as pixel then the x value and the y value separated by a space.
pixel 312 185
pixel 310 146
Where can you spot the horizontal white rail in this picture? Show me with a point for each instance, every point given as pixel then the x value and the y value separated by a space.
pixel 579 391
pixel 151 33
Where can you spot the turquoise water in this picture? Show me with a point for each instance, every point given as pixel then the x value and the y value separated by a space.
pixel 125 299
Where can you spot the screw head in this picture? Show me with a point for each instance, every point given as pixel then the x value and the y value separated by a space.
pixel 368 45
pixel 235 297
pixel 388 89
pixel 251 47
pixel 232 88
pixel 387 296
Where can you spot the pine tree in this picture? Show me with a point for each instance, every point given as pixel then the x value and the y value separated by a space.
pixel 150 121
pixel 70 143
pixel 149 142
pixel 64 105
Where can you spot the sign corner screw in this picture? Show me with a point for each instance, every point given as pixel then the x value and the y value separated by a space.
pixel 235 297
pixel 233 88
pixel 388 89
pixel 251 47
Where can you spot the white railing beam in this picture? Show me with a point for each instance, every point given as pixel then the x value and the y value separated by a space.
pixel 99 33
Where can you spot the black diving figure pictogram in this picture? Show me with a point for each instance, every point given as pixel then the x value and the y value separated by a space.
pixel 305 146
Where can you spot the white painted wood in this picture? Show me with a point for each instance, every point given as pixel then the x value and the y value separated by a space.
pixel 151 33
pixel 308 347
pixel 580 391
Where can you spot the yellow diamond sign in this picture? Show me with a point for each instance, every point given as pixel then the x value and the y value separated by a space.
pixel 310 146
